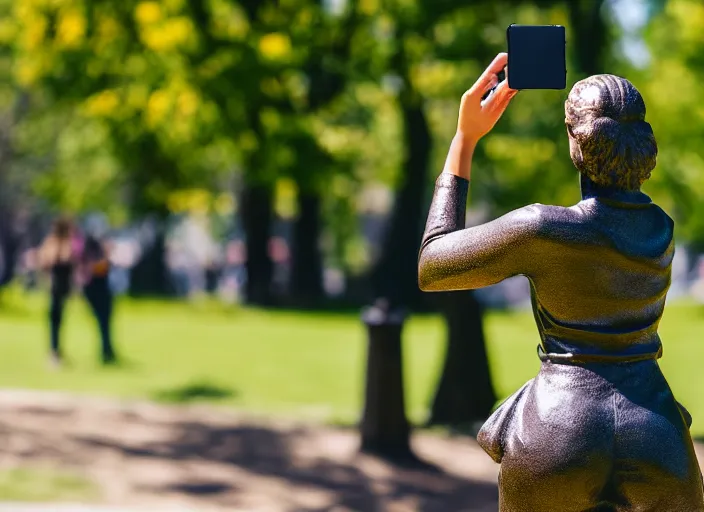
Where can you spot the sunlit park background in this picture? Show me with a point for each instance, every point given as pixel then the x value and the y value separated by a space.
pixel 302 364
pixel 260 171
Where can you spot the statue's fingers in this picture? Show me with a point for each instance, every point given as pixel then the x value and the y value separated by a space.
pixel 488 79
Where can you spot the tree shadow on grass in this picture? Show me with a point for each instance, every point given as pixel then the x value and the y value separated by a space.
pixel 201 488
pixel 195 391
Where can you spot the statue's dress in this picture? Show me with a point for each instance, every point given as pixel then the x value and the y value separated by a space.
pixel 598 428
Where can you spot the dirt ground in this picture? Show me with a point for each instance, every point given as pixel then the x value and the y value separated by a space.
pixel 205 458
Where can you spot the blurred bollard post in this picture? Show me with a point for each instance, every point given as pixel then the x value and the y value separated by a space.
pixel 384 428
pixel 465 394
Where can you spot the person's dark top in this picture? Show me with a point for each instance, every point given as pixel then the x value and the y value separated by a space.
pixel 61 276
pixel 95 260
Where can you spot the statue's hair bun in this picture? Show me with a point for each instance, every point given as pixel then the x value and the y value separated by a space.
pixel 606 117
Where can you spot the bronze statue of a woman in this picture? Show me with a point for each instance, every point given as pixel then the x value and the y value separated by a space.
pixel 598 428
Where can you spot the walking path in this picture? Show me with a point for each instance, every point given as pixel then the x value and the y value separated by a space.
pixel 198 459
pixel 156 458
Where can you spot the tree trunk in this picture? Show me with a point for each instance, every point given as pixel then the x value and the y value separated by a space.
pixel 306 287
pixel 591 34
pixel 257 211
pixel 465 393
pixel 149 277
pixel 10 249
pixel 10 242
pixel 395 276
pixel 384 429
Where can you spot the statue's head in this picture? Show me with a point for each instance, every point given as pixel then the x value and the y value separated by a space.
pixel 610 141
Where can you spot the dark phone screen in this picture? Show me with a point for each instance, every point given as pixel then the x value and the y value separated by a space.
pixel 536 57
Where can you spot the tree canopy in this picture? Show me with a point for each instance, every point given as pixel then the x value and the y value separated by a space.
pixel 127 105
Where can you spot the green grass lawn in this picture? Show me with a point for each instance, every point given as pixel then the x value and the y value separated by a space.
pixel 43 484
pixel 305 365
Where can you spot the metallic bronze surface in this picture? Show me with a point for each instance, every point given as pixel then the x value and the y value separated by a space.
pixel 598 428
pixel 610 141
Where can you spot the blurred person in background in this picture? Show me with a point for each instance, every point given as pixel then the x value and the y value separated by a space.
pixel 96 289
pixel 58 256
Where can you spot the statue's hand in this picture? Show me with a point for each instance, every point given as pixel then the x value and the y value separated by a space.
pixel 478 117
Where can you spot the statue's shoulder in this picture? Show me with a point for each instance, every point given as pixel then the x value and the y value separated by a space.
pixel 553 222
pixel 548 214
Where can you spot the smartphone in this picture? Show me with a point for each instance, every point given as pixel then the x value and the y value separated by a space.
pixel 536 57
